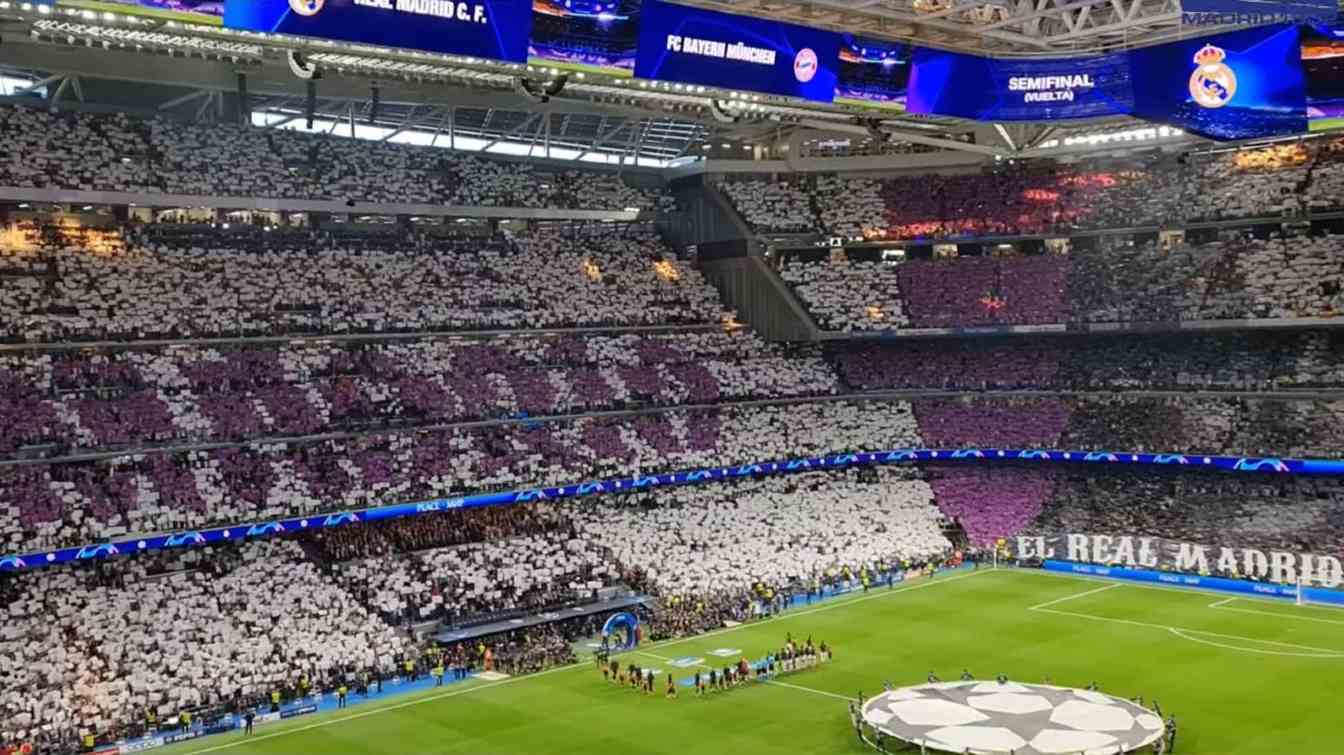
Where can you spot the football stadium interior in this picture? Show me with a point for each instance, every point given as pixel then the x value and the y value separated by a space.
pixel 660 376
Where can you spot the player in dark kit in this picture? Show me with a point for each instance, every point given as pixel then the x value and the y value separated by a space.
pixel 699 685
pixel 671 688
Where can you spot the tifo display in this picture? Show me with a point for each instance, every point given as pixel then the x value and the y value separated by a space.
pixel 320 432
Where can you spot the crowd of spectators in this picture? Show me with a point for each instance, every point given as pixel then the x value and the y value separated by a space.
pixel 1039 197
pixel 65 503
pixel 204 282
pixel 772 206
pixel 197 434
pixel 827 290
pixel 1232 279
pixel 539 562
pixel 123 154
pixel 1242 362
pixel 85 651
pixel 700 540
pixel 142 397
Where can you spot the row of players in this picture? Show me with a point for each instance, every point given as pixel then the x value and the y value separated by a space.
pixel 789 658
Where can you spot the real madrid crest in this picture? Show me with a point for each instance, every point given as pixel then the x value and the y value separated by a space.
pixel 1213 83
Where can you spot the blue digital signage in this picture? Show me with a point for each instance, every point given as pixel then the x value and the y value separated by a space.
pixel 695 46
pixel 586 35
pixel 873 72
pixel 187 11
pixel 1323 66
pixel 1237 85
pixel 496 29
pixel 991 89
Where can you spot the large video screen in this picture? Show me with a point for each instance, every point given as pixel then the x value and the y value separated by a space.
pixel 599 36
pixel 873 72
pixel 496 29
pixel 695 46
pixel 185 11
pixel 1237 85
pixel 992 89
pixel 1323 67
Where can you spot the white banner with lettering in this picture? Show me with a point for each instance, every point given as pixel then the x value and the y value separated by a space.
pixel 1143 552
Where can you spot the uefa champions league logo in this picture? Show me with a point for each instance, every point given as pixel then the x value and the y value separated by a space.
pixel 805 65
pixel 306 7
pixel 1213 83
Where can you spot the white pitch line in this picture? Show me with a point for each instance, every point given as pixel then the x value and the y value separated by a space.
pixel 1184 589
pixel 384 709
pixel 1185 636
pixel 579 664
pixel 1057 601
pixel 1190 589
pixel 1329 652
pixel 665 659
pixel 809 689
pixel 1277 614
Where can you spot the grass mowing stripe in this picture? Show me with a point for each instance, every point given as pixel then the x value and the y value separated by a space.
pixel 834 604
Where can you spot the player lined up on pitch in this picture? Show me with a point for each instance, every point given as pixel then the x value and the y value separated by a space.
pixel 791 657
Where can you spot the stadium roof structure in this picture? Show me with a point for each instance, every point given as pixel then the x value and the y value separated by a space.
pixel 993 27
pixel 82 58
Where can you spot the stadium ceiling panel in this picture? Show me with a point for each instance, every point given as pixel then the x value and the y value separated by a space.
pixel 1001 27
pixel 437 99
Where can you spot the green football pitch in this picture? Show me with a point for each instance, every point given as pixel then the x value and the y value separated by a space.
pixel 1242 676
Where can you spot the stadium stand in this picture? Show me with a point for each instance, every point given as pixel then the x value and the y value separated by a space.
pixel 171 377
pixel 1235 279
pixel 119 153
pixel 203 628
pixel 1228 362
pixel 104 400
pixel 201 282
pixel 771 207
pixel 68 503
pixel 1037 197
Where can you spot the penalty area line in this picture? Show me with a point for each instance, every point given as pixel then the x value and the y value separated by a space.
pixel 841 603
pixel 1222 602
pixel 1057 601
pixel 801 688
pixel 1275 614
pixel 1183 635
pixel 1182 632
